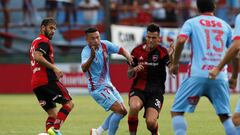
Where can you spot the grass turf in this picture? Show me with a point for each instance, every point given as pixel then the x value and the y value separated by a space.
pixel 21 115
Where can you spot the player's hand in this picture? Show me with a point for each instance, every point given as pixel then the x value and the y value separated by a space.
pixel 138 68
pixel 130 60
pixel 213 73
pixel 58 73
pixel 232 83
pixel 93 51
pixel 173 70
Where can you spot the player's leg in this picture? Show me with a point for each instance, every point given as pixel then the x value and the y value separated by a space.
pixel 236 117
pixel 63 98
pixel 135 105
pixel 153 107
pixel 119 111
pixel 185 100
pixel 218 94
pixel 110 99
pixel 52 115
pixel 42 94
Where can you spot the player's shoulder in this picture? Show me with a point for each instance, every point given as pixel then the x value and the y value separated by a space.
pixel 86 49
pixel 106 42
pixel 162 49
pixel 139 47
pixel 40 39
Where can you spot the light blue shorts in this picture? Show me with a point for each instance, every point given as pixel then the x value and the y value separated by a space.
pixel 106 97
pixel 192 88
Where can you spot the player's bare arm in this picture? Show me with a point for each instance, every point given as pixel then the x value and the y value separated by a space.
pixel 125 53
pixel 170 53
pixel 87 64
pixel 233 80
pixel 132 71
pixel 38 57
pixel 176 55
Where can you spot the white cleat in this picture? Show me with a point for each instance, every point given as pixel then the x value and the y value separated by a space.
pixel 93 131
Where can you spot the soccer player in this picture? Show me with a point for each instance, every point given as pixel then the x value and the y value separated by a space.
pixel 45 79
pixel 95 64
pixel 209 37
pixel 231 55
pixel 149 73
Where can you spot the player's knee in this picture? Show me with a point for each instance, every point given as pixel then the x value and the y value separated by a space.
pixel 123 112
pixel 134 108
pixel 151 124
pixel 236 119
pixel 69 105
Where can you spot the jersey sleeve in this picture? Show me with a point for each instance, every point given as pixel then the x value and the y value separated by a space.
pixel 236 34
pixel 84 56
pixel 186 30
pixel 111 48
pixel 43 47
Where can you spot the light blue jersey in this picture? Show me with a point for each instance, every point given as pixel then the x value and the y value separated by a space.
pixel 98 73
pixel 236 34
pixel 99 83
pixel 209 38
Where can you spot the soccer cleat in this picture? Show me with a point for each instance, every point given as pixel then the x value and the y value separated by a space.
pixel 93 131
pixel 52 131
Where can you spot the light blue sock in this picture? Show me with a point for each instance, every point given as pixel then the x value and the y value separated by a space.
pixel 229 127
pixel 113 123
pixel 179 125
pixel 105 125
pixel 238 130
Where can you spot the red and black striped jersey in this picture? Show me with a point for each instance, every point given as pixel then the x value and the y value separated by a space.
pixel 152 78
pixel 40 74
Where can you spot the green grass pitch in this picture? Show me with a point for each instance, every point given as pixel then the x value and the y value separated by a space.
pixel 21 115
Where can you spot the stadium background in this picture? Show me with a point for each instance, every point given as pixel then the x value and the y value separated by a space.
pixel 128 31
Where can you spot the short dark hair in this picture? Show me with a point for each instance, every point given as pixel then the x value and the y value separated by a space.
pixel 206 5
pixel 90 30
pixel 47 21
pixel 153 28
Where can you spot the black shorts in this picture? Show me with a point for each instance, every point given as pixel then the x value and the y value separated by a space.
pixel 153 100
pixel 50 94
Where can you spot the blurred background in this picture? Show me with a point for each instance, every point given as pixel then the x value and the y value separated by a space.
pixel 121 21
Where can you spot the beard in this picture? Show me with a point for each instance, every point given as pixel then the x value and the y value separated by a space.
pixel 48 35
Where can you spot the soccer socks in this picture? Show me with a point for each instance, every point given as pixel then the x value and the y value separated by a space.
pixel 229 127
pixel 132 124
pixel 114 122
pixel 61 116
pixel 179 125
pixel 105 125
pixel 49 122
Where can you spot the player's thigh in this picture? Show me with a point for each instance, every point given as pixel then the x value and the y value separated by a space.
pixel 104 97
pixel 136 99
pixel 153 101
pixel 188 95
pixel 44 96
pixel 151 115
pixel 219 95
